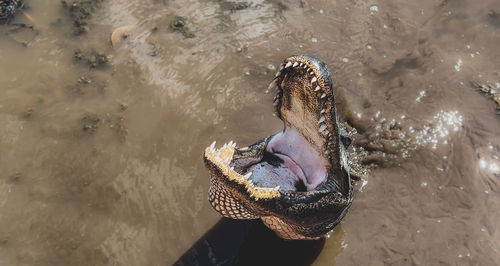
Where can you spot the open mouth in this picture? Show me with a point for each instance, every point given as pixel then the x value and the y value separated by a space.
pixel 295 165
pixel 297 158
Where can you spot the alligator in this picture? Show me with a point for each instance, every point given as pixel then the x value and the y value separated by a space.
pixel 296 181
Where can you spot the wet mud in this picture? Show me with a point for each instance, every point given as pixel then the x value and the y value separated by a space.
pixel 100 150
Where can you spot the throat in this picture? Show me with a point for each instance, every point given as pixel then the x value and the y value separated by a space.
pixel 272 159
pixel 290 162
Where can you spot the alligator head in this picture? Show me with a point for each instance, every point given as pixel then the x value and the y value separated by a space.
pixel 296 181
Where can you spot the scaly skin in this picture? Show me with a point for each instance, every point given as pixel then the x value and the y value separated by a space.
pixel 303 83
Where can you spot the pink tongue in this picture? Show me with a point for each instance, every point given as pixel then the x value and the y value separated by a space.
pixel 295 168
pixel 299 156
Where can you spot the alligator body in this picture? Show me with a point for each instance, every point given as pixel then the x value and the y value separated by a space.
pixel 297 181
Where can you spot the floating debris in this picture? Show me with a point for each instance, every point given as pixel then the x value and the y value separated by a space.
pixel 242 48
pixel 90 122
pixel 8 8
pixel 233 5
pixel 179 24
pixel 120 34
pixel 389 142
pixel 80 11
pixel 489 91
pixel 94 59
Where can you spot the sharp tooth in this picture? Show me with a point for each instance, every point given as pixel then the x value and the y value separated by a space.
pixel 322 119
pixel 231 169
pixel 327 132
pixel 250 182
pixel 313 80
pixel 323 95
pixel 212 146
pixel 312 73
pixel 277 188
pixel 230 143
pixel 247 175
pixel 288 64
pixel 317 88
pixel 323 111
pixel 275 103
pixel 278 73
pixel 272 84
pixel 322 127
pixel 301 64
pixel 295 64
pixel 305 66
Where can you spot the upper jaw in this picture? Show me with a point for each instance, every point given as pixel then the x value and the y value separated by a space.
pixel 305 101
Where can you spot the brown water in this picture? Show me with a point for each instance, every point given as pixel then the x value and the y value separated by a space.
pixel 110 172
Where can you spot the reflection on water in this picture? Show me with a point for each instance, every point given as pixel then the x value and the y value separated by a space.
pixel 103 165
pixel 440 127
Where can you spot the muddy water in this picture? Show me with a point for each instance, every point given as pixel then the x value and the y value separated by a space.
pixel 102 166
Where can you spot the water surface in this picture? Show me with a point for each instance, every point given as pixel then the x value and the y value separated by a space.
pixel 103 166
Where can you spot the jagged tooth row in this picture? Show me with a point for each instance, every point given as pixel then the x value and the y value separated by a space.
pixel 272 85
pixel 222 158
pixel 328 147
pixel 314 79
pixel 276 102
pixel 323 129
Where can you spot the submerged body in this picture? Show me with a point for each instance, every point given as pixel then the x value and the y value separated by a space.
pixel 297 180
pixel 236 242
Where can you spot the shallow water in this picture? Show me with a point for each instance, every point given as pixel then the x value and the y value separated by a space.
pixel 110 172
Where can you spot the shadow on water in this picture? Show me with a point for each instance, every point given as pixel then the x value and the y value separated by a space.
pixel 249 242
